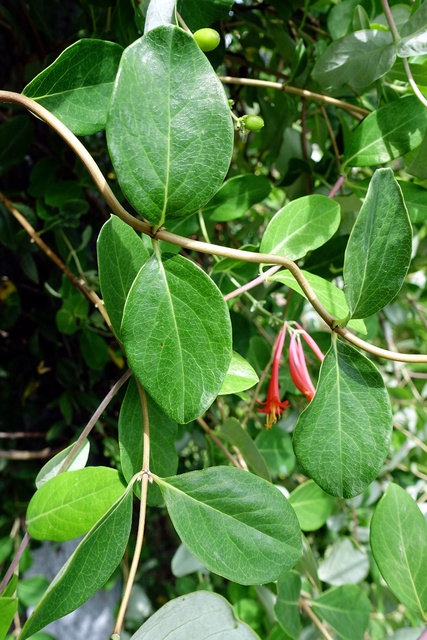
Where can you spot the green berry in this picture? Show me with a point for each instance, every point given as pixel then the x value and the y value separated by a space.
pixel 207 39
pixel 253 123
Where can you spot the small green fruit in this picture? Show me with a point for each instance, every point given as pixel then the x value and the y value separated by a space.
pixel 207 39
pixel 253 123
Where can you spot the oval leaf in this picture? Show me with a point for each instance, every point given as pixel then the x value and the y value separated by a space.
pixel 177 334
pixel 236 196
pixel 163 455
pixel 388 133
pixel 121 254
pixel 95 559
pixel 260 537
pixel 312 505
pixel 346 609
pixel 343 436
pixel 301 226
pixel 8 608
pixel 414 34
pixel 77 87
pixel 169 127
pixel 399 545
pixel 176 620
pixel 69 504
pixel 159 12
pixel 379 249
pixel 240 376
pixel 286 608
pixel 344 564
pixel 359 58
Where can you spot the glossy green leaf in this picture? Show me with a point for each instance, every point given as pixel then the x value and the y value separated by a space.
pixel 260 537
pixel 239 437
pixel 414 34
pixel 343 436
pixel 332 298
pixel 379 249
pixel 77 87
pixel 69 504
pixel 240 376
pixel 95 559
pixel 201 13
pixel 399 545
pixel 301 226
pixel 163 455
pixel 359 58
pixel 52 467
pixel 177 335
pixel 312 505
pixel 15 140
pixel 236 196
pixel 346 609
pixel 286 608
pixel 8 608
pixel 169 127
pixel 388 133
pixel 159 12
pixel 10 588
pixel 121 254
pixel 176 620
pixel 414 195
pixel 275 446
pixel 345 564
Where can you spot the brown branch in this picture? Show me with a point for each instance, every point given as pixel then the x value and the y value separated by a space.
pixel 218 442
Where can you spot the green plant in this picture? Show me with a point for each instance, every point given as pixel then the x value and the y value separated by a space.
pixel 310 197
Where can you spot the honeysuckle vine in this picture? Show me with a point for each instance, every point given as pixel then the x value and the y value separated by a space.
pixel 195 245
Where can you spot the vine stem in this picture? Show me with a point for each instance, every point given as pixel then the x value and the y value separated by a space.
pixel 142 511
pixel 94 419
pixel 14 563
pixel 196 245
pixel 218 442
pixel 76 281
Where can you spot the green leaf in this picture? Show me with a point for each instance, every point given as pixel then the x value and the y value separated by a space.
pixel 77 87
pixel 69 504
pixel 343 436
pixel 94 349
pixel 16 136
pixel 8 608
pixel 414 195
pixel 236 197
pixel 176 620
pixel 312 505
pixel 163 455
pixel 52 467
pixel 240 376
pixel 379 249
pixel 121 254
pixel 388 133
pixel 183 563
pixel 332 298
pixel 275 446
pixel 346 609
pixel 177 335
pixel 201 13
pixel 399 545
pixel 234 523
pixel 345 563
pixel 414 34
pixel 240 438
pixel 301 226
pixel 159 12
pixel 169 127
pixel 286 608
pixel 90 566
pixel 359 58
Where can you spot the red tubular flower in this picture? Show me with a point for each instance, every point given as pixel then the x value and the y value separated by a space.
pixel 273 406
pixel 297 365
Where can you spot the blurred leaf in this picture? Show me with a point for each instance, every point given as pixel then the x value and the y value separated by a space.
pixel 202 13
pixel 183 563
pixel 312 505
pixel 8 608
pixel 275 446
pixel 30 590
pixel 286 608
pixel 346 609
pixel 16 136
pixel 344 564
pixel 236 196
pixel 52 467
pixel 413 34
pixel 240 438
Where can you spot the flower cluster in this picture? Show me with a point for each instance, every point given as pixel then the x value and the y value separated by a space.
pixel 273 406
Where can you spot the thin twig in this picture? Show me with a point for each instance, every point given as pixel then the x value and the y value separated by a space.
pixel 218 442
pixel 76 281
pixel 196 245
pixel 16 454
pixel 410 435
pixel 253 283
pixel 309 611
pixel 14 563
pixel 332 136
pixel 417 308
pixel 94 419
pixel 142 511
